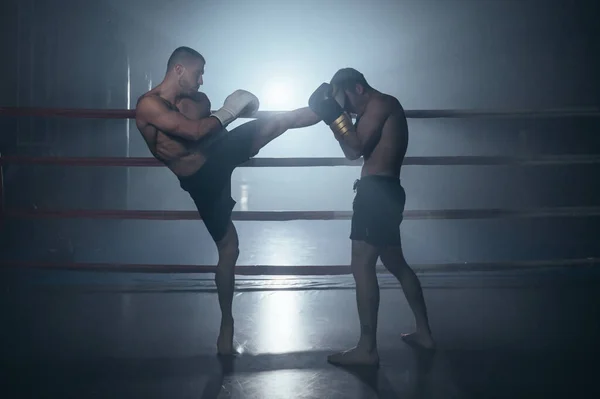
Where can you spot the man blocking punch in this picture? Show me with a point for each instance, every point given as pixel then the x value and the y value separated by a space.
pixel 380 137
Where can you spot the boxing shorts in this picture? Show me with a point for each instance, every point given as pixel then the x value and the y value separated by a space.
pixel 377 210
pixel 210 186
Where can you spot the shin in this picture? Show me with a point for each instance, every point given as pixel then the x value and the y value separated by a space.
pixel 393 259
pixel 271 127
pixel 228 249
pixel 364 258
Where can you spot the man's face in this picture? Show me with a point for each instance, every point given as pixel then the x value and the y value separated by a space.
pixel 190 76
pixel 354 99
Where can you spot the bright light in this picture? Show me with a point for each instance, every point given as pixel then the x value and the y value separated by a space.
pixel 279 94
pixel 244 198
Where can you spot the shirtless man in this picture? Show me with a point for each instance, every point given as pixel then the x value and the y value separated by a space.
pixel 180 130
pixel 380 136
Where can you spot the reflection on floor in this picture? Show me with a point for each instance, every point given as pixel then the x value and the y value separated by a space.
pixel 530 340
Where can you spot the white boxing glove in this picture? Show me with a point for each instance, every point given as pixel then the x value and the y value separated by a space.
pixel 240 103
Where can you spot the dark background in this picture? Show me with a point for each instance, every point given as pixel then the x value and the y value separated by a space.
pixel 430 54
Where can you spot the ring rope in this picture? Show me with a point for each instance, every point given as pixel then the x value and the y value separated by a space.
pixel 416 114
pixel 302 215
pixel 316 162
pixel 299 215
pixel 317 270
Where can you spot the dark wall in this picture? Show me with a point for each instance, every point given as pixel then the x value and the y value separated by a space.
pixel 445 54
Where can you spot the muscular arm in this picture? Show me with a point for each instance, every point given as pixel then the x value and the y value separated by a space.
pixel 349 153
pixel 363 138
pixel 154 112
pixel 196 106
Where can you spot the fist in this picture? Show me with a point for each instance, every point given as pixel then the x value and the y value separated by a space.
pixel 252 106
pixel 323 92
pixel 242 103
pixel 324 105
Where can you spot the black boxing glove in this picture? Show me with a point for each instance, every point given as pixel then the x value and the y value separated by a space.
pixel 327 108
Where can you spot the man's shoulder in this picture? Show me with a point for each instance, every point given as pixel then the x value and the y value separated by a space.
pixel 390 101
pixel 386 103
pixel 149 105
pixel 148 98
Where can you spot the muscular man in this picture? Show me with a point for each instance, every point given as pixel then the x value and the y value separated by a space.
pixel 380 136
pixel 180 130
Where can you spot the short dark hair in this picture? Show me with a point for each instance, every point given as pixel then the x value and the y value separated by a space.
pixel 181 55
pixel 347 78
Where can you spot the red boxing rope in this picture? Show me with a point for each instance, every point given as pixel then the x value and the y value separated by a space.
pixel 301 215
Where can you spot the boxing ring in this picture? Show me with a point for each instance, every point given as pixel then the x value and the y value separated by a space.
pixel 264 216
pixel 130 342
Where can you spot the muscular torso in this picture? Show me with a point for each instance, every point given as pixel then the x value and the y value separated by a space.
pixel 386 157
pixel 183 157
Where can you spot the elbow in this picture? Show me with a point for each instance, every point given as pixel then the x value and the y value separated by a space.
pixel 353 156
pixel 355 153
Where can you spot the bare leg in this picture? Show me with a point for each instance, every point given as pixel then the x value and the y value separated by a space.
pixel 228 249
pixel 364 258
pixel 274 126
pixel 393 260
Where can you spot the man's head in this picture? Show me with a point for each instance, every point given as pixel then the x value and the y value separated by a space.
pixel 351 89
pixel 186 67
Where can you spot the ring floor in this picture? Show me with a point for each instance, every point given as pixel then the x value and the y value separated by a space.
pixel 498 337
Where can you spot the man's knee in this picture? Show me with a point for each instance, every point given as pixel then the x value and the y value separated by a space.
pixel 229 251
pixel 228 246
pixel 392 258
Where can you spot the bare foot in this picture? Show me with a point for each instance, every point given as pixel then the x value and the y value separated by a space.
pixel 355 357
pixel 225 340
pixel 419 340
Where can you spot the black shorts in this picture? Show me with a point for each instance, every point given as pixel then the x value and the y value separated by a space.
pixel 377 210
pixel 210 186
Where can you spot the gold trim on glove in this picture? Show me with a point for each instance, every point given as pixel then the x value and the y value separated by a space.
pixel 342 124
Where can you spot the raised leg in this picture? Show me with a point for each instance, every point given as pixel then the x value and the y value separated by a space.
pixel 274 126
pixel 364 259
pixel 393 259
